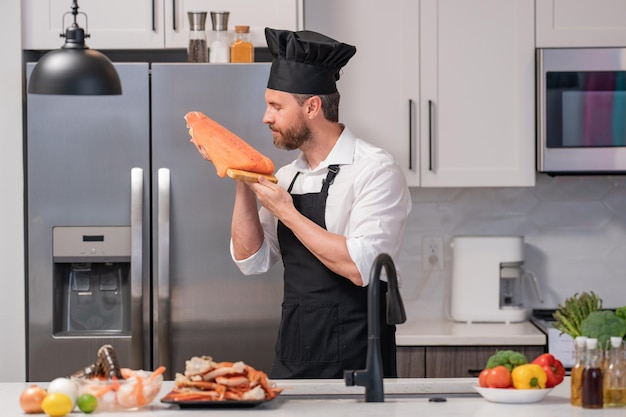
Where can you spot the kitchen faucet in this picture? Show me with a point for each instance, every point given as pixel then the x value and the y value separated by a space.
pixel 372 376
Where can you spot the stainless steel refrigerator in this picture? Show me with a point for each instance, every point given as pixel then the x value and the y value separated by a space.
pixel 128 227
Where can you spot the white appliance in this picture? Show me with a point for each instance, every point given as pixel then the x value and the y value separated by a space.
pixel 487 279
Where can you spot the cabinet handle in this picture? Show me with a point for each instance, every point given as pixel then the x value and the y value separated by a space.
pixel 474 372
pixel 173 14
pixel 161 300
pixel 136 266
pixel 153 16
pixel 432 140
pixel 411 120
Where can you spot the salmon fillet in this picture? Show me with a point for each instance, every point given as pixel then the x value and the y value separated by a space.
pixel 224 149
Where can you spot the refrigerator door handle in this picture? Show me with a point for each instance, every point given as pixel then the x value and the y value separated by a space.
pixel 136 268
pixel 162 292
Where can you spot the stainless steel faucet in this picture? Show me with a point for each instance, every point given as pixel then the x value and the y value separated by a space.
pixel 372 376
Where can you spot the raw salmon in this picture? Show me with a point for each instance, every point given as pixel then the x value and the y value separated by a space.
pixel 226 150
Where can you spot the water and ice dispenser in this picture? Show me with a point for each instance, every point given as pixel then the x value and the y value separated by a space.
pixel 91 282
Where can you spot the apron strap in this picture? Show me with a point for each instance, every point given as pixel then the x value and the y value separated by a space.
pixel 333 170
pixel 293 181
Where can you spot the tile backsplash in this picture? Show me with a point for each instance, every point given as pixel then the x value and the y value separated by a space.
pixel 574 230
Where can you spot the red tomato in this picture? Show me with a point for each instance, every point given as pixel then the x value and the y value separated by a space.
pixel 499 377
pixel 482 378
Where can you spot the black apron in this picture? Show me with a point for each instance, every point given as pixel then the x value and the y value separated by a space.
pixel 323 329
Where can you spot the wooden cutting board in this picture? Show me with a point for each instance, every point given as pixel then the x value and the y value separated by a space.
pixel 240 175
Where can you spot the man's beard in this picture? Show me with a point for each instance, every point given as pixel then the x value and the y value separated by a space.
pixel 292 138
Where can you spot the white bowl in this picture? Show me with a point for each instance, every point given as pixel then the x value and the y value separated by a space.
pixel 512 395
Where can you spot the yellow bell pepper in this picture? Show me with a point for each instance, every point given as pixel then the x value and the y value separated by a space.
pixel 529 376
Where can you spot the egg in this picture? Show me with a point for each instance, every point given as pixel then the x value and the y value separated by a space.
pixel 64 386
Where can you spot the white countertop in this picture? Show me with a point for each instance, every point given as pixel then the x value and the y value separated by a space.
pixel 449 333
pixel 290 402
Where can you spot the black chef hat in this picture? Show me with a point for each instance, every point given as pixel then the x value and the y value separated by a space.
pixel 305 62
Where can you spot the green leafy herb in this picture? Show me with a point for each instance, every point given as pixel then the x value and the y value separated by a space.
pixel 574 310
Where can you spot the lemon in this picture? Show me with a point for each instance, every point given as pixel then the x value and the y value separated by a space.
pixel 57 404
pixel 87 403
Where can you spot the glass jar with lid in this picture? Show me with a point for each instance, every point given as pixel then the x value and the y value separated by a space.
pixel 197 51
pixel 219 50
pixel 242 49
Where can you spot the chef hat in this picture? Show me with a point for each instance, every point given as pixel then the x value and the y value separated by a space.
pixel 305 62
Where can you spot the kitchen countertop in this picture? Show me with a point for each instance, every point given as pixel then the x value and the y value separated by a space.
pixel 449 333
pixel 413 402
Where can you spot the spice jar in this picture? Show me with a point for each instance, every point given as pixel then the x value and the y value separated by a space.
pixel 242 50
pixel 197 51
pixel 219 50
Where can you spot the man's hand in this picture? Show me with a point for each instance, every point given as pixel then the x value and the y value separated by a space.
pixel 273 197
pixel 329 248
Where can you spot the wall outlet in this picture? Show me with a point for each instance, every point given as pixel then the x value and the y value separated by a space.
pixel 432 253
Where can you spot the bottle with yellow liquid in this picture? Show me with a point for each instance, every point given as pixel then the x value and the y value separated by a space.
pixel 614 385
pixel 242 49
pixel 577 371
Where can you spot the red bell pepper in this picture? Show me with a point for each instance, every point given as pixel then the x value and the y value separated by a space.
pixel 553 367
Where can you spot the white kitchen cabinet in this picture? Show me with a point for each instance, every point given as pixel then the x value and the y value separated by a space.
pixel 447 87
pixel 145 24
pixel 581 23
pixel 112 24
pixel 381 80
pixel 477 119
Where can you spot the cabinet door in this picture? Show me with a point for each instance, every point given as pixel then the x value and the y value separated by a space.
pixel 258 14
pixel 411 361
pixel 467 361
pixel 379 86
pixel 111 24
pixel 581 23
pixel 477 93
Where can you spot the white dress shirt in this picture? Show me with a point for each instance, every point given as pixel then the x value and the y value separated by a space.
pixel 368 203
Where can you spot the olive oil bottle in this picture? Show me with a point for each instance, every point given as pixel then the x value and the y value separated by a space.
pixel 577 371
pixel 615 376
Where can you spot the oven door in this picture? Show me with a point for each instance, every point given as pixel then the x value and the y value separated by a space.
pixel 581 112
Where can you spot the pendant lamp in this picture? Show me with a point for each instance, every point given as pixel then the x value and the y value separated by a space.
pixel 74 69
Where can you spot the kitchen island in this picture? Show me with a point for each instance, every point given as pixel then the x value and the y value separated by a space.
pixel 404 398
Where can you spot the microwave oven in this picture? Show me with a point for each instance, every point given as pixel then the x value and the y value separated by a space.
pixel 581 110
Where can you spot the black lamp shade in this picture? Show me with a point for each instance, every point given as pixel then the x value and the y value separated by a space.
pixel 74 71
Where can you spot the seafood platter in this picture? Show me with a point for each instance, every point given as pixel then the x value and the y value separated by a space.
pixel 101 386
pixel 206 383
pixel 117 388
pixel 105 386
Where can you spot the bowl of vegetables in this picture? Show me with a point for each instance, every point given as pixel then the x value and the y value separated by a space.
pixel 508 377
pixel 512 395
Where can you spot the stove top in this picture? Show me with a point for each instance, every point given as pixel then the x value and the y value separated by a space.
pixel 544 314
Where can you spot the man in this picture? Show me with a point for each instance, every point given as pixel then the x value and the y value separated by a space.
pixel 335 208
